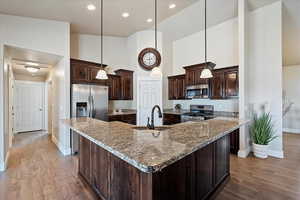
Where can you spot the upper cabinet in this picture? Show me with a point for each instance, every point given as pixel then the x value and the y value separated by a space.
pixel 192 75
pixel 114 87
pixel 177 87
pixel 126 83
pixel 85 72
pixel 225 83
pixel 120 86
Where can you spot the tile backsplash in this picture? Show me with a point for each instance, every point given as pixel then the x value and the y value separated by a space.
pixel 228 105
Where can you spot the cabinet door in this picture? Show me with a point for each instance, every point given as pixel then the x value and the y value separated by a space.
pixel 84 158
pixel 169 119
pixel 100 170
pixel 181 87
pixel 129 119
pixel 172 88
pixel 222 150
pixel 235 141
pixel 114 87
pixel 216 85
pixel 231 86
pixel 190 77
pixel 80 73
pixel 204 171
pixel 127 85
pixel 93 74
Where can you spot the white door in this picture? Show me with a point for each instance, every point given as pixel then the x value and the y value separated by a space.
pixel 29 106
pixel 149 95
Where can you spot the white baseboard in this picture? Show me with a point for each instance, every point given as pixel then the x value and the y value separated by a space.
pixel 244 153
pixel 3 164
pixel 291 130
pixel 276 154
pixel 64 151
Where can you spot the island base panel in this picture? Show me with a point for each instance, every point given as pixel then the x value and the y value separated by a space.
pixel 197 176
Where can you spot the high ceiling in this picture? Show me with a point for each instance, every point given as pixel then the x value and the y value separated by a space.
pixel 85 21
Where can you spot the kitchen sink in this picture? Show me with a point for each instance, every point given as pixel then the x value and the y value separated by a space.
pixel 158 128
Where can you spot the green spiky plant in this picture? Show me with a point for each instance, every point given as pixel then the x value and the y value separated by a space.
pixel 262 129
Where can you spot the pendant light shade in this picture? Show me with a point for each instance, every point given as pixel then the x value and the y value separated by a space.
pixel 101 74
pixel 206 72
pixel 156 73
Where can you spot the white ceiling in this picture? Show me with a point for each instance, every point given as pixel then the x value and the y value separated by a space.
pixel 21 56
pixel 84 21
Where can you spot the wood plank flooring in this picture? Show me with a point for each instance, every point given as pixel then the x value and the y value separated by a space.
pixel 37 171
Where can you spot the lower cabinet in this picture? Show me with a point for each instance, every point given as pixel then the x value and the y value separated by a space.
pixel 170 119
pixel 129 119
pixel 235 141
pixel 195 177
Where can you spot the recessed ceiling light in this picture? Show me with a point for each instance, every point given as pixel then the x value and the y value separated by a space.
pixel 125 14
pixel 149 20
pixel 171 6
pixel 91 7
pixel 32 64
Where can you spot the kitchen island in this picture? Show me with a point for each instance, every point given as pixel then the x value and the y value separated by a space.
pixel 184 161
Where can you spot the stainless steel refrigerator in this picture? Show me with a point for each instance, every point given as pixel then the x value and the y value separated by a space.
pixel 88 101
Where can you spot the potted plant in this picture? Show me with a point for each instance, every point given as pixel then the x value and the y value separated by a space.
pixel 262 133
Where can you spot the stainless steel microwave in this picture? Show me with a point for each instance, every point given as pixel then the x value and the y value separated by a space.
pixel 197 91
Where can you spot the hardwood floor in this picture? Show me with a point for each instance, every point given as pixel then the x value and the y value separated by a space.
pixel 37 171
pixel 273 179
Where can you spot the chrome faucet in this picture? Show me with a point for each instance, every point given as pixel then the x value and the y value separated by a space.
pixel 151 125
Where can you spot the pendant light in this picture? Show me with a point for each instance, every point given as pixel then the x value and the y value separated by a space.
pixel 206 72
pixel 102 75
pixel 155 72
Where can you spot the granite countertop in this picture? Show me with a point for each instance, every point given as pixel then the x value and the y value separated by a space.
pixel 123 112
pixel 149 150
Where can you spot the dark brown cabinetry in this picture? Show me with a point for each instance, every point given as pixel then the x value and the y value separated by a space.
pixel 170 119
pixel 235 141
pixel 192 75
pixel 120 85
pixel 126 83
pixel 129 119
pixel 225 83
pixel 177 87
pixel 114 87
pixel 85 72
pixel 196 176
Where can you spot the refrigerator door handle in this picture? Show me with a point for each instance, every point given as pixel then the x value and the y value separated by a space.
pixel 90 105
pixel 93 107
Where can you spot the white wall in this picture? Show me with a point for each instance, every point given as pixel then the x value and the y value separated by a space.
pixel 40 35
pixel 264 74
pixel 119 53
pixel 222 49
pixel 291 83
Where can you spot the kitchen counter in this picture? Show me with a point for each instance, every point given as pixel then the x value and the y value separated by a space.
pixel 123 112
pixel 151 151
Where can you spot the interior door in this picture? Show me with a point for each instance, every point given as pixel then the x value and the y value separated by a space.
pixel 29 106
pixel 150 94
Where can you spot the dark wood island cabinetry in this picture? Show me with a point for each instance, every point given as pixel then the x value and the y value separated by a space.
pixel 194 177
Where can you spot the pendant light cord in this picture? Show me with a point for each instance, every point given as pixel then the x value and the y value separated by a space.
pixel 205 36
pixel 155 24
pixel 102 34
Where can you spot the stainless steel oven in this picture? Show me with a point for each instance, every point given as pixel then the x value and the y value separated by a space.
pixel 197 91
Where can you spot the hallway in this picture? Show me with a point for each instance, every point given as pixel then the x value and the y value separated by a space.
pixel 38 171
